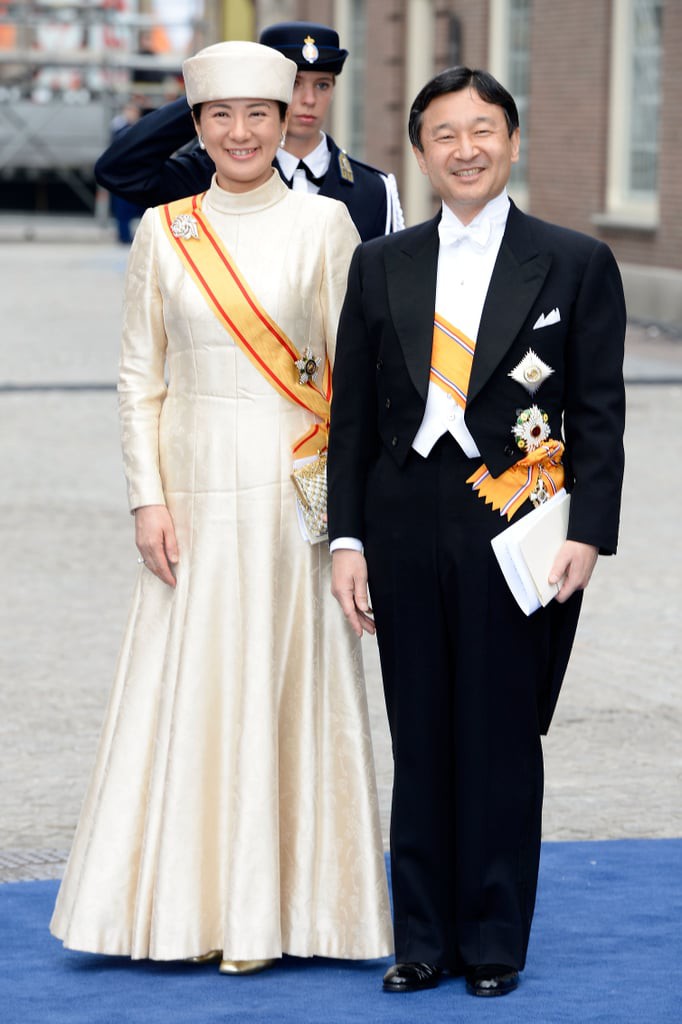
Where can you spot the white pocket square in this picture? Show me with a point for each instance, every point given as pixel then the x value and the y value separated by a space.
pixel 546 319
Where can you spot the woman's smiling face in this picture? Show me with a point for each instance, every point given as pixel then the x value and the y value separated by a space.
pixel 241 136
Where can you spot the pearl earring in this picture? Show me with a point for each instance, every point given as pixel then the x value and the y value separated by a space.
pixel 282 140
pixel 202 144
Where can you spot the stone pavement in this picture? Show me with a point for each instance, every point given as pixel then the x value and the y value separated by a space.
pixel 613 756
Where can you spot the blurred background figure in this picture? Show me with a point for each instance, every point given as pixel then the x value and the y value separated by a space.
pixel 149 80
pixel 122 210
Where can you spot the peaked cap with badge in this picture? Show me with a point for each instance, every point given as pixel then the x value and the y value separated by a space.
pixel 311 46
pixel 370 195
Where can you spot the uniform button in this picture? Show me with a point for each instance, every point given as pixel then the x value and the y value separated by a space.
pixel 379 364
pixel 509 450
pixel 394 442
pixel 388 403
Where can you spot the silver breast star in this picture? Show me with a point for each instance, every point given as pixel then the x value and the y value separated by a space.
pixel 307 366
pixel 531 372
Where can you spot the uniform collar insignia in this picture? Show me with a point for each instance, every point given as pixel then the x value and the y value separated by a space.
pixel 345 168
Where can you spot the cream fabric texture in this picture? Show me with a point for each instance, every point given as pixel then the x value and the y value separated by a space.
pixel 238 69
pixel 233 802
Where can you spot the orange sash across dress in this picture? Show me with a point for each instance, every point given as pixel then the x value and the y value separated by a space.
pixel 261 340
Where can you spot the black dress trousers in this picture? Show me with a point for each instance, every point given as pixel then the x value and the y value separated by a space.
pixel 462 667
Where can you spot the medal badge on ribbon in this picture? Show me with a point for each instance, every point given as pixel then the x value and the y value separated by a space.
pixel 308 366
pixel 538 475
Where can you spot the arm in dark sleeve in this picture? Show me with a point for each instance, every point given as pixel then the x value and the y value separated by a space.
pixel 143 166
pixel 353 438
pixel 594 416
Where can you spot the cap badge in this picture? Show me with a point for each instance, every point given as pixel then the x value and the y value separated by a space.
pixel 307 366
pixel 345 167
pixel 185 226
pixel 310 52
pixel 531 372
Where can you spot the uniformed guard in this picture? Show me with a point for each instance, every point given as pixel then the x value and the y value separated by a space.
pixel 156 160
pixel 310 159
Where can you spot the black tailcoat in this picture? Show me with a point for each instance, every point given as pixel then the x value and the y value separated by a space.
pixel 381 378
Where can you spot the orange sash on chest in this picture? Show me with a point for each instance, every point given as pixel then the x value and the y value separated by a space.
pixel 258 336
pixel 451 361
pixel 452 355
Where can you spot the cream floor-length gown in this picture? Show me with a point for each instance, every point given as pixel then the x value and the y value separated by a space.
pixel 233 802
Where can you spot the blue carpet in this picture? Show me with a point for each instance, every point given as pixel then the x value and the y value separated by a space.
pixel 606 947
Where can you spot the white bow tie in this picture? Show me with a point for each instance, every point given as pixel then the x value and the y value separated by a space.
pixel 452 234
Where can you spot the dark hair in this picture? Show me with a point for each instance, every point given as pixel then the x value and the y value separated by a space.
pixel 283 107
pixel 454 80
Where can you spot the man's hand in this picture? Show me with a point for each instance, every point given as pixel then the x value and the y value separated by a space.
pixel 349 587
pixel 155 539
pixel 573 567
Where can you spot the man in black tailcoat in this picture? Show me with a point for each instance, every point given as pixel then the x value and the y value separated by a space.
pixel 533 316
pixel 160 160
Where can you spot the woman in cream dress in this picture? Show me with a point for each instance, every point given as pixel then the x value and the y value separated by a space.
pixel 232 810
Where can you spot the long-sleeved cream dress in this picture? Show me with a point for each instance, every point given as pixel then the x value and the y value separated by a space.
pixel 233 803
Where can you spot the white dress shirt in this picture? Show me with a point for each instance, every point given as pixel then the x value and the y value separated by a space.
pixel 466 257
pixel 465 266
pixel 317 162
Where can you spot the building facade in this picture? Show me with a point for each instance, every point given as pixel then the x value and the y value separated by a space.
pixel 598 84
pixel 599 89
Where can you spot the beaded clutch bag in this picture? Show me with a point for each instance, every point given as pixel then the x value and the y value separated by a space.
pixel 310 481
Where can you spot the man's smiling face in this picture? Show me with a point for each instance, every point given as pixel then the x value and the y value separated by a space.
pixel 467 151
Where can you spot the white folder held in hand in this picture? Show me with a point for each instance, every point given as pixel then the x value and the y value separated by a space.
pixel 527 549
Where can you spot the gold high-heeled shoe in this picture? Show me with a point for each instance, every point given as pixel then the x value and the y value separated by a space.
pixel 206 958
pixel 244 966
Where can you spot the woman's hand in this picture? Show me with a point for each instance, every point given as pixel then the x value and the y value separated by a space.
pixel 155 539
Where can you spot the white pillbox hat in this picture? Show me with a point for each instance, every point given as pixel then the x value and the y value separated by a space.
pixel 238 69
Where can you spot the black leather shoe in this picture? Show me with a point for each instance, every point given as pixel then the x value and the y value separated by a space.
pixel 411 977
pixel 491 980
